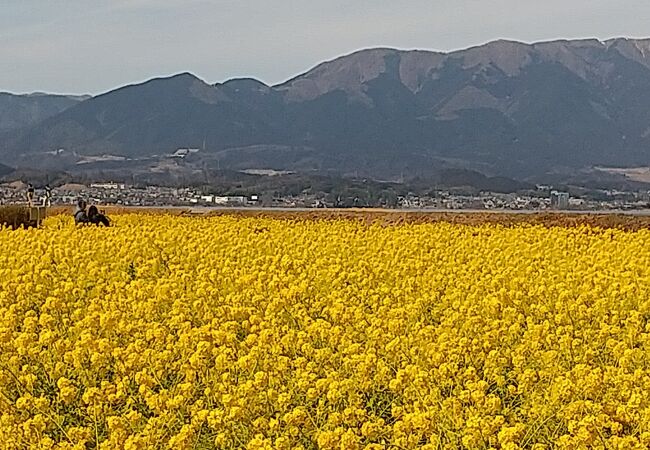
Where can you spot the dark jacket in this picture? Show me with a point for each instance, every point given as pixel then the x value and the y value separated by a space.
pixel 80 216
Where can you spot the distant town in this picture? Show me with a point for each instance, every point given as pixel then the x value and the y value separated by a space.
pixel 121 194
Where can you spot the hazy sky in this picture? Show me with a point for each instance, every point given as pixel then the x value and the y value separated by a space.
pixel 91 46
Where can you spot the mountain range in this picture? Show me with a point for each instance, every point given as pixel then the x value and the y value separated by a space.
pixel 19 111
pixel 504 109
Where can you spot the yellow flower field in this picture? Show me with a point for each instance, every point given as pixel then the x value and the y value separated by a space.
pixel 258 333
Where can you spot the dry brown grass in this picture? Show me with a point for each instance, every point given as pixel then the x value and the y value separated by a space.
pixel 388 217
pixel 14 216
pixel 116 210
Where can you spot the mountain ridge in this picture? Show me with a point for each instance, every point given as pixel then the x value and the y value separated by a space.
pixel 22 110
pixel 507 107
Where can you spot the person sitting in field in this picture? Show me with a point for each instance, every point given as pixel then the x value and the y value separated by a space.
pixel 97 218
pixel 80 215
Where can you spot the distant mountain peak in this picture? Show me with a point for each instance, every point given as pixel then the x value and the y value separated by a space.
pixel 185 78
pixel 347 73
pixel 245 80
pixel 182 76
pixel 508 56
pixel 245 84
pixel 635 49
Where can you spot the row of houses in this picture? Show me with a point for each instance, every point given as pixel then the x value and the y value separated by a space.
pixel 226 200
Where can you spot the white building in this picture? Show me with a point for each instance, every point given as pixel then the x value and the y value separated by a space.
pixel 114 186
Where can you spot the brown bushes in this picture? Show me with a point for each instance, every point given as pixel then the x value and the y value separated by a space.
pixel 14 216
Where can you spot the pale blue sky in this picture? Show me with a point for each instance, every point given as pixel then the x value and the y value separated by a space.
pixel 91 46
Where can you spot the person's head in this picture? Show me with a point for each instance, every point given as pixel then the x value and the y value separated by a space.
pixel 81 203
pixel 92 211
